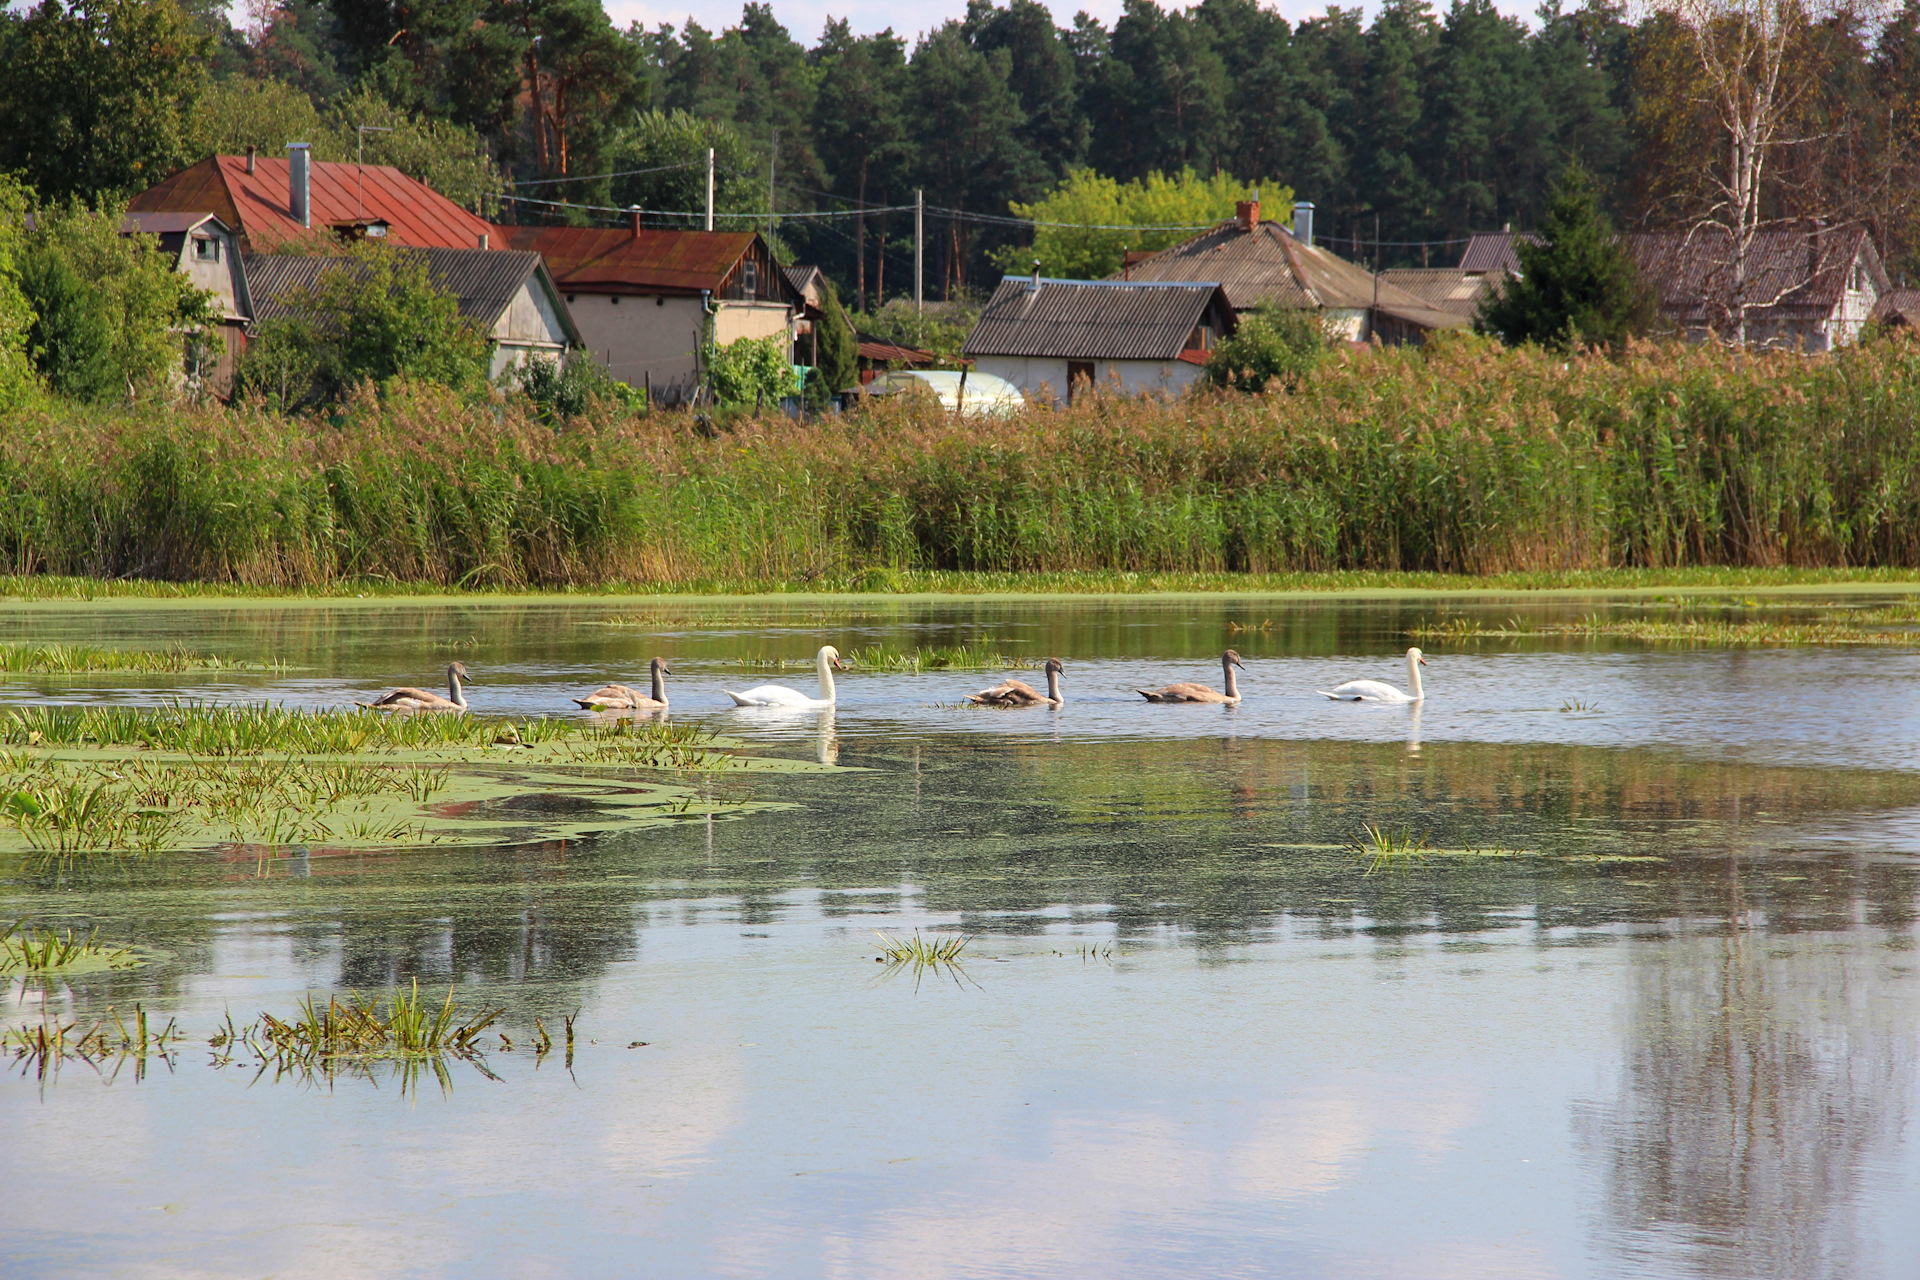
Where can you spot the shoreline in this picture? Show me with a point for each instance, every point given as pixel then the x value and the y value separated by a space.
pixel 921 586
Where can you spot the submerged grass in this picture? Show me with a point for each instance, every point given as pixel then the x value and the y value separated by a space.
pixel 1457 458
pixel 90 779
pixel 41 951
pixel 1886 625
pixel 934 658
pixel 81 659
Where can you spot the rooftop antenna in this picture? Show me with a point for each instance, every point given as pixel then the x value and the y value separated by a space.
pixel 360 164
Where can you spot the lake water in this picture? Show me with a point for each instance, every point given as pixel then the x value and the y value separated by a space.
pixel 1191 1034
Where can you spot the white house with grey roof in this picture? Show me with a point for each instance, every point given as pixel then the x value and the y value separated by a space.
pixel 1055 338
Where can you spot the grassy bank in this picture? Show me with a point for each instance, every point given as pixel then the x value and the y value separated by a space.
pixel 1465 462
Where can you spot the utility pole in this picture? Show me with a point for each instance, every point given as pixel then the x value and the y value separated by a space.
pixel 709 188
pixel 773 154
pixel 1373 316
pixel 919 241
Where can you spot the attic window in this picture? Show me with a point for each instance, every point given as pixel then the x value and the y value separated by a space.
pixel 206 249
pixel 750 280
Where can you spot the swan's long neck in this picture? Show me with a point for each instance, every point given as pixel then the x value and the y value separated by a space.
pixel 659 686
pixel 826 678
pixel 455 694
pixel 1413 679
pixel 1233 687
pixel 1053 686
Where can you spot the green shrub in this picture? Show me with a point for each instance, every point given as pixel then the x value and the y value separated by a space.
pixel 1271 344
pixel 568 389
pixel 114 316
pixel 752 371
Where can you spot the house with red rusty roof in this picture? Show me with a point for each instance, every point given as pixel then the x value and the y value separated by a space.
pixel 643 297
pixel 274 204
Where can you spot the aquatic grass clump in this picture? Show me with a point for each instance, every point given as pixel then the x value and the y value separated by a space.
pixel 72 814
pixel 646 745
pixel 939 954
pixel 357 1034
pixel 935 658
pixel 38 951
pixel 1389 851
pixel 80 659
pixel 40 1049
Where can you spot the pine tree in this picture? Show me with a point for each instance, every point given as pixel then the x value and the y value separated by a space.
pixel 1577 286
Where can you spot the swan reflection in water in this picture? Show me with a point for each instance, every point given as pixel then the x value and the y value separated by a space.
pixel 796 721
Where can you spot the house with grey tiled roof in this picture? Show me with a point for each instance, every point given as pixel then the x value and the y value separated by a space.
pixel 1266 263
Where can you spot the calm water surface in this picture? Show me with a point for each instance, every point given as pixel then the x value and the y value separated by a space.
pixel 1191 1035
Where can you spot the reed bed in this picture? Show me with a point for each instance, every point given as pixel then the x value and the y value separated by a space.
pixel 1459 458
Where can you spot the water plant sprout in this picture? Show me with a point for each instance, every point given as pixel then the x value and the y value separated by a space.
pixel 1386 850
pixel 940 954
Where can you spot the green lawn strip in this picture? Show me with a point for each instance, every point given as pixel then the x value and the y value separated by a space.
pixel 927 582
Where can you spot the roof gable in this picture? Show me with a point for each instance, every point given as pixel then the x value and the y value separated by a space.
pixel 613 259
pixel 257 203
pixel 1095 319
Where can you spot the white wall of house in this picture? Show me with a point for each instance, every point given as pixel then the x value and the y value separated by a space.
pixel 1043 380
pixel 529 326
pixel 643 341
pixel 733 321
pixel 1349 323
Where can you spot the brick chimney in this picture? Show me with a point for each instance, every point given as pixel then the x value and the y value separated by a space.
pixel 633 212
pixel 1247 213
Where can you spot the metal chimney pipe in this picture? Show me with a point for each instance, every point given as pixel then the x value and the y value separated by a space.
pixel 250 156
pixel 1033 286
pixel 299 182
pixel 1303 222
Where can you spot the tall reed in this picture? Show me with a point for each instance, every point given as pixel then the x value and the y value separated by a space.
pixel 1460 457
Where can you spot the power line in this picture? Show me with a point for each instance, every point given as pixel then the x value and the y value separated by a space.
pixel 595 177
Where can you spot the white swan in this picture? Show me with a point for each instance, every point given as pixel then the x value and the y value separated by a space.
pixel 1380 690
pixel 778 695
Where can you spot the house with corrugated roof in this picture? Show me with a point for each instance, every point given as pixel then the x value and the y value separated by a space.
pixel 1809 287
pixel 508 296
pixel 274 203
pixel 645 298
pixel 1266 263
pixel 1054 339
